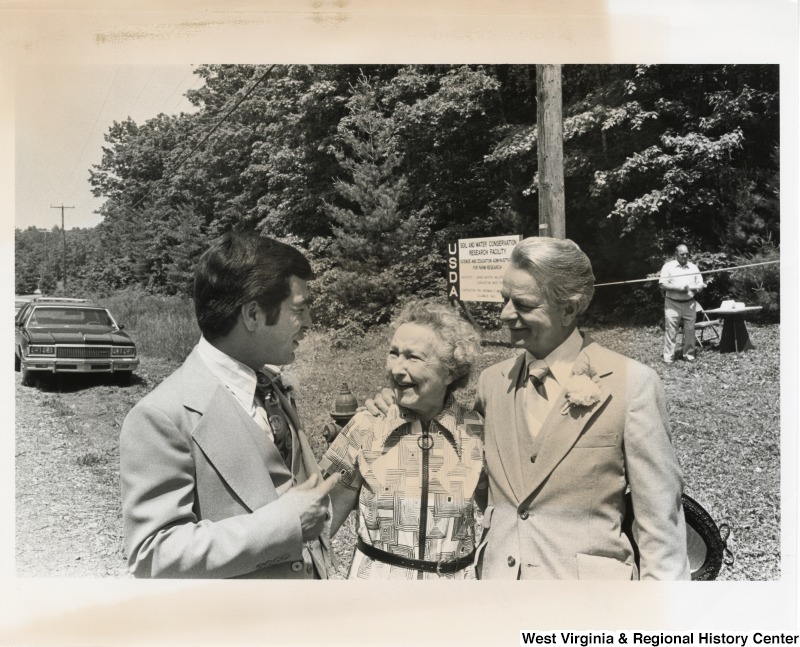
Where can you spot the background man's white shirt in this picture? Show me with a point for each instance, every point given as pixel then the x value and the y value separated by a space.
pixel 675 277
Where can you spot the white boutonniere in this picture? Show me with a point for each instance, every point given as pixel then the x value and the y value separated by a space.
pixel 289 384
pixel 583 390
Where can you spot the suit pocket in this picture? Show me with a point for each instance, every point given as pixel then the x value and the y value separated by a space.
pixel 597 440
pixel 596 567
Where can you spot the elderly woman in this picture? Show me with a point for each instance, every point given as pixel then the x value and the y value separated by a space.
pixel 415 472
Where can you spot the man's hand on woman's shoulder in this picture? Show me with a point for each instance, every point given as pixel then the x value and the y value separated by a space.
pixel 380 405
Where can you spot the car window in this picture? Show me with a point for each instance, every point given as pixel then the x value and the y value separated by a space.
pixel 68 317
pixel 23 313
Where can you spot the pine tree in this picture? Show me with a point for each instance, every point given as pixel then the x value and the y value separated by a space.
pixel 374 223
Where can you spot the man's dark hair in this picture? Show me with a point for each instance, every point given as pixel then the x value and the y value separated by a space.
pixel 239 268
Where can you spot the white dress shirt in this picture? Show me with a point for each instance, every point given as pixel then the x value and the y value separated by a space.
pixel 675 277
pixel 239 379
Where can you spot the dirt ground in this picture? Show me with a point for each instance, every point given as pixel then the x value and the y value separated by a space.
pixel 724 412
pixel 68 516
pixel 66 521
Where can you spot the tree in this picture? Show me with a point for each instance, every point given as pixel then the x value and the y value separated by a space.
pixel 656 155
pixel 375 170
pixel 373 228
pixel 376 220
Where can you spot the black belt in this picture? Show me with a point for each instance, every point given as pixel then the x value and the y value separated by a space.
pixel 416 564
pixel 680 300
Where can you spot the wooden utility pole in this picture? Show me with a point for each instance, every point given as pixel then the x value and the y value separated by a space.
pixel 43 272
pixel 550 128
pixel 64 238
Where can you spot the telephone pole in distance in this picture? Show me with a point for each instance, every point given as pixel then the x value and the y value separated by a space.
pixel 64 238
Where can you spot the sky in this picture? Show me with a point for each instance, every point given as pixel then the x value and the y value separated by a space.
pixel 61 116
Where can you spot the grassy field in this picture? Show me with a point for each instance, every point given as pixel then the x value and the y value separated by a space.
pixel 724 411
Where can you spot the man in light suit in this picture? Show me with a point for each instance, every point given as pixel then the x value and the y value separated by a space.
pixel 218 479
pixel 570 426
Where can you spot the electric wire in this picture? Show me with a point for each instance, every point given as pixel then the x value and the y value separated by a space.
pixel 198 82
pixel 204 139
pixel 89 136
pixel 141 92
pixel 180 83
pixel 656 278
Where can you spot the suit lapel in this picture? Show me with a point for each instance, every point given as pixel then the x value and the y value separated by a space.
pixel 231 441
pixel 564 424
pixel 512 437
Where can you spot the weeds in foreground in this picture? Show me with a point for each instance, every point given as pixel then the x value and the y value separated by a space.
pixel 63 412
pixel 90 458
pixel 60 408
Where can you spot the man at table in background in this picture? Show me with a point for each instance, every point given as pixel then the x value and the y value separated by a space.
pixel 680 282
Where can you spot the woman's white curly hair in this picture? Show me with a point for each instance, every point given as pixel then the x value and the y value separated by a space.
pixel 458 343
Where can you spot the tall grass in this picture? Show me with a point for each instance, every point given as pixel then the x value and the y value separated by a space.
pixel 161 326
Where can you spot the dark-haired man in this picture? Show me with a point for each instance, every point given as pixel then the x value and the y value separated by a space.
pixel 218 479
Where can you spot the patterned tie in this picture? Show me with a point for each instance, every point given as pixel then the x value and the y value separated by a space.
pixel 266 389
pixel 537 371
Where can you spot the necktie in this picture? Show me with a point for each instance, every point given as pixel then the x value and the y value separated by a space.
pixel 266 388
pixel 537 371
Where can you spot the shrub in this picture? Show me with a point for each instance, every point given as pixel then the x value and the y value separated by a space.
pixel 717 283
pixel 162 326
pixel 347 336
pixel 344 297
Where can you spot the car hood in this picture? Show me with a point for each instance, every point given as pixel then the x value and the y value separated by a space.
pixel 79 336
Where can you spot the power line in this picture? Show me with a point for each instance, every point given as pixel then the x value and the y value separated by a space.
pixel 135 103
pixel 205 138
pixel 656 278
pixel 198 82
pixel 91 132
pixel 180 83
pixel 141 92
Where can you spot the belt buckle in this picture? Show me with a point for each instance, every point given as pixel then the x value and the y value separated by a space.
pixel 439 565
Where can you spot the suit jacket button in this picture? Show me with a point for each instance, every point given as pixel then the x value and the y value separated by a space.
pixel 523 514
pixel 297 566
pixel 511 561
pixel 533 459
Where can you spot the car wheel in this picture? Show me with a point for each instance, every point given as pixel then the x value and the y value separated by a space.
pixel 28 378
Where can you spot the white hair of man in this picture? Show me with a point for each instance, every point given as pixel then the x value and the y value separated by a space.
pixel 559 267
